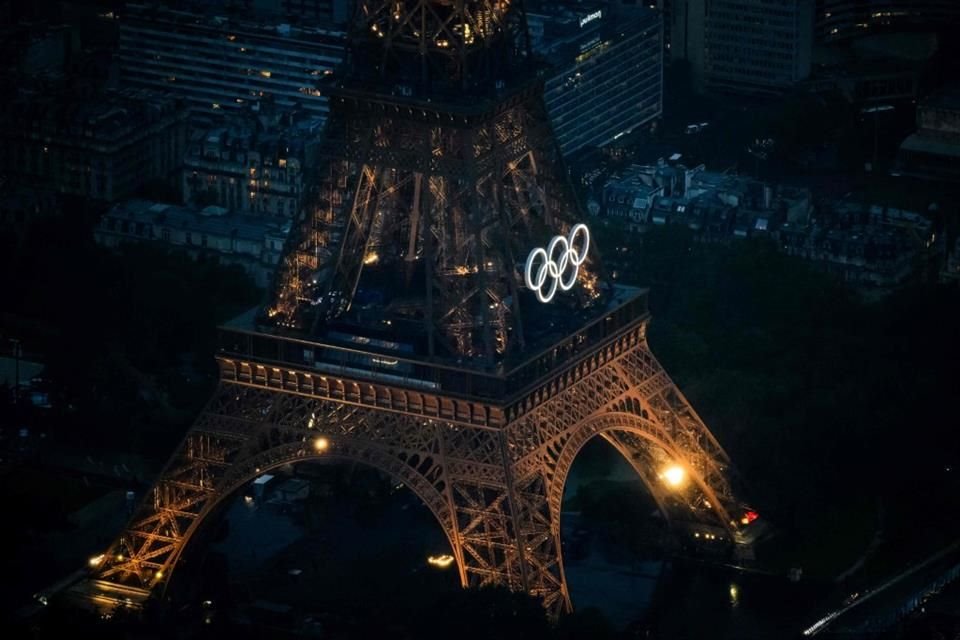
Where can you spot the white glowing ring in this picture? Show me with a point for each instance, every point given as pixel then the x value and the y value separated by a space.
pixel 559 263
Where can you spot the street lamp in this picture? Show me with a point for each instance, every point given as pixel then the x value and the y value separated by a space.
pixel 674 476
pixel 441 562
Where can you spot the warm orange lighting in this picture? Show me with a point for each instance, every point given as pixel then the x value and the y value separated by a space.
pixel 321 444
pixel 442 562
pixel 96 560
pixel 674 475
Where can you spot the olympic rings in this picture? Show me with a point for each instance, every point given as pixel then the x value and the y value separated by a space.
pixel 560 263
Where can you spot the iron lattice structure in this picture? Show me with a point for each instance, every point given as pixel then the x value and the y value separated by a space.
pixel 395 335
pixel 444 204
pixel 493 474
pixel 441 172
pixel 465 46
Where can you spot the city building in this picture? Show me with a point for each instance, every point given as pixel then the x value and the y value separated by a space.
pixel 103 147
pixel 933 151
pixel 666 16
pixel 252 242
pixel 221 62
pixel 743 46
pixel 862 244
pixel 252 163
pixel 326 11
pixel 630 198
pixel 716 205
pixel 865 245
pixel 870 82
pixel 845 19
pixel 37 47
pixel 606 76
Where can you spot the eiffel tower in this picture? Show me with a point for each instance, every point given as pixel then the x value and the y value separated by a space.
pixel 415 327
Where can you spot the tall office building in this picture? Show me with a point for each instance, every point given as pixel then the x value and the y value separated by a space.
pixel 329 11
pixel 222 63
pixel 844 19
pixel 743 46
pixel 606 74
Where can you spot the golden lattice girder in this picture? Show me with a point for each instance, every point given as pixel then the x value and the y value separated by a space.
pixel 492 475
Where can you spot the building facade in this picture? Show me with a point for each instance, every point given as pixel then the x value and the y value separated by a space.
pixel 607 70
pixel 252 242
pixel 844 19
pixel 933 151
pixel 744 46
pixel 219 63
pixel 862 244
pixel 251 166
pixel 715 205
pixel 103 147
pixel 327 11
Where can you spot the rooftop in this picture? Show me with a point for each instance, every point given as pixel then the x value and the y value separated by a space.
pixel 923 144
pixel 573 30
pixel 107 116
pixel 213 221
pixel 210 16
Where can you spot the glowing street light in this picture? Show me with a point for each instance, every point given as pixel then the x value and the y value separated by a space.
pixel 96 560
pixel 321 445
pixel 674 475
pixel 441 562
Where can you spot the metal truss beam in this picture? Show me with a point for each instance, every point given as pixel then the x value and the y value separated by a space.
pixel 492 476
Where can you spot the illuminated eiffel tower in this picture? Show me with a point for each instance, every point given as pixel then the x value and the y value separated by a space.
pixel 415 328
